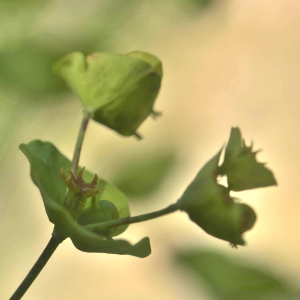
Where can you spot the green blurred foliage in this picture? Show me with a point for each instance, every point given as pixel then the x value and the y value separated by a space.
pixel 27 53
pixel 34 35
pixel 229 278
pixel 27 68
pixel 142 176
pixel 198 5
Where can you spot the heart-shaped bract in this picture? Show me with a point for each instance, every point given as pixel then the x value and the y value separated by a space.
pixel 117 90
pixel 46 162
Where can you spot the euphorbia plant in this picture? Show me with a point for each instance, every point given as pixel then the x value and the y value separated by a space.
pixel 119 91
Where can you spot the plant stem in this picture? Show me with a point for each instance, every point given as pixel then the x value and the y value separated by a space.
pixel 36 269
pixel 55 239
pixel 77 150
pixel 131 220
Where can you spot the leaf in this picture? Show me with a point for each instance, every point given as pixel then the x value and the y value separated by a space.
pixel 210 206
pixel 141 177
pixel 25 69
pixel 240 165
pixel 118 90
pixel 46 161
pixel 229 278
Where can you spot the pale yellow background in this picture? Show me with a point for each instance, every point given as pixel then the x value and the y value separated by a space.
pixel 236 65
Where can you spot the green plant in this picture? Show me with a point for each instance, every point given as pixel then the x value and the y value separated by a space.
pixel 119 92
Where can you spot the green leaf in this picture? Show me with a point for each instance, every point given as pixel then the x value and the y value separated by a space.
pixel 46 161
pixel 118 90
pixel 26 68
pixel 229 278
pixel 240 165
pixel 210 206
pixel 141 177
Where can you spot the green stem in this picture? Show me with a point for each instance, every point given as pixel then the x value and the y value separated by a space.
pixel 131 220
pixel 56 239
pixel 77 150
pixel 36 269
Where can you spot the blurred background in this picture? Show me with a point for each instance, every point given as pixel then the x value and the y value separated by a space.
pixel 226 63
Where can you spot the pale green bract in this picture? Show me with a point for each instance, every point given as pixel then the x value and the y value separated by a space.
pixel 117 90
pixel 46 162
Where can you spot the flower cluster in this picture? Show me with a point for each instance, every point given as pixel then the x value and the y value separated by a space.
pixel 79 191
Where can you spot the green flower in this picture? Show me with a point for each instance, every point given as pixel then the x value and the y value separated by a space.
pixel 64 208
pixel 76 198
pixel 117 90
pixel 79 191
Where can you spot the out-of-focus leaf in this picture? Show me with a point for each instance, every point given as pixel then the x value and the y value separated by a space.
pixel 241 167
pixel 229 278
pixel 192 7
pixel 27 68
pixel 201 3
pixel 141 177
pixel 46 161
pixel 17 4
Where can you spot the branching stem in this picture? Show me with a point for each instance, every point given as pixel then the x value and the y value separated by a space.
pixel 131 220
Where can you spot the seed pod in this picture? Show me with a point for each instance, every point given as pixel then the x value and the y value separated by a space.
pixel 105 211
